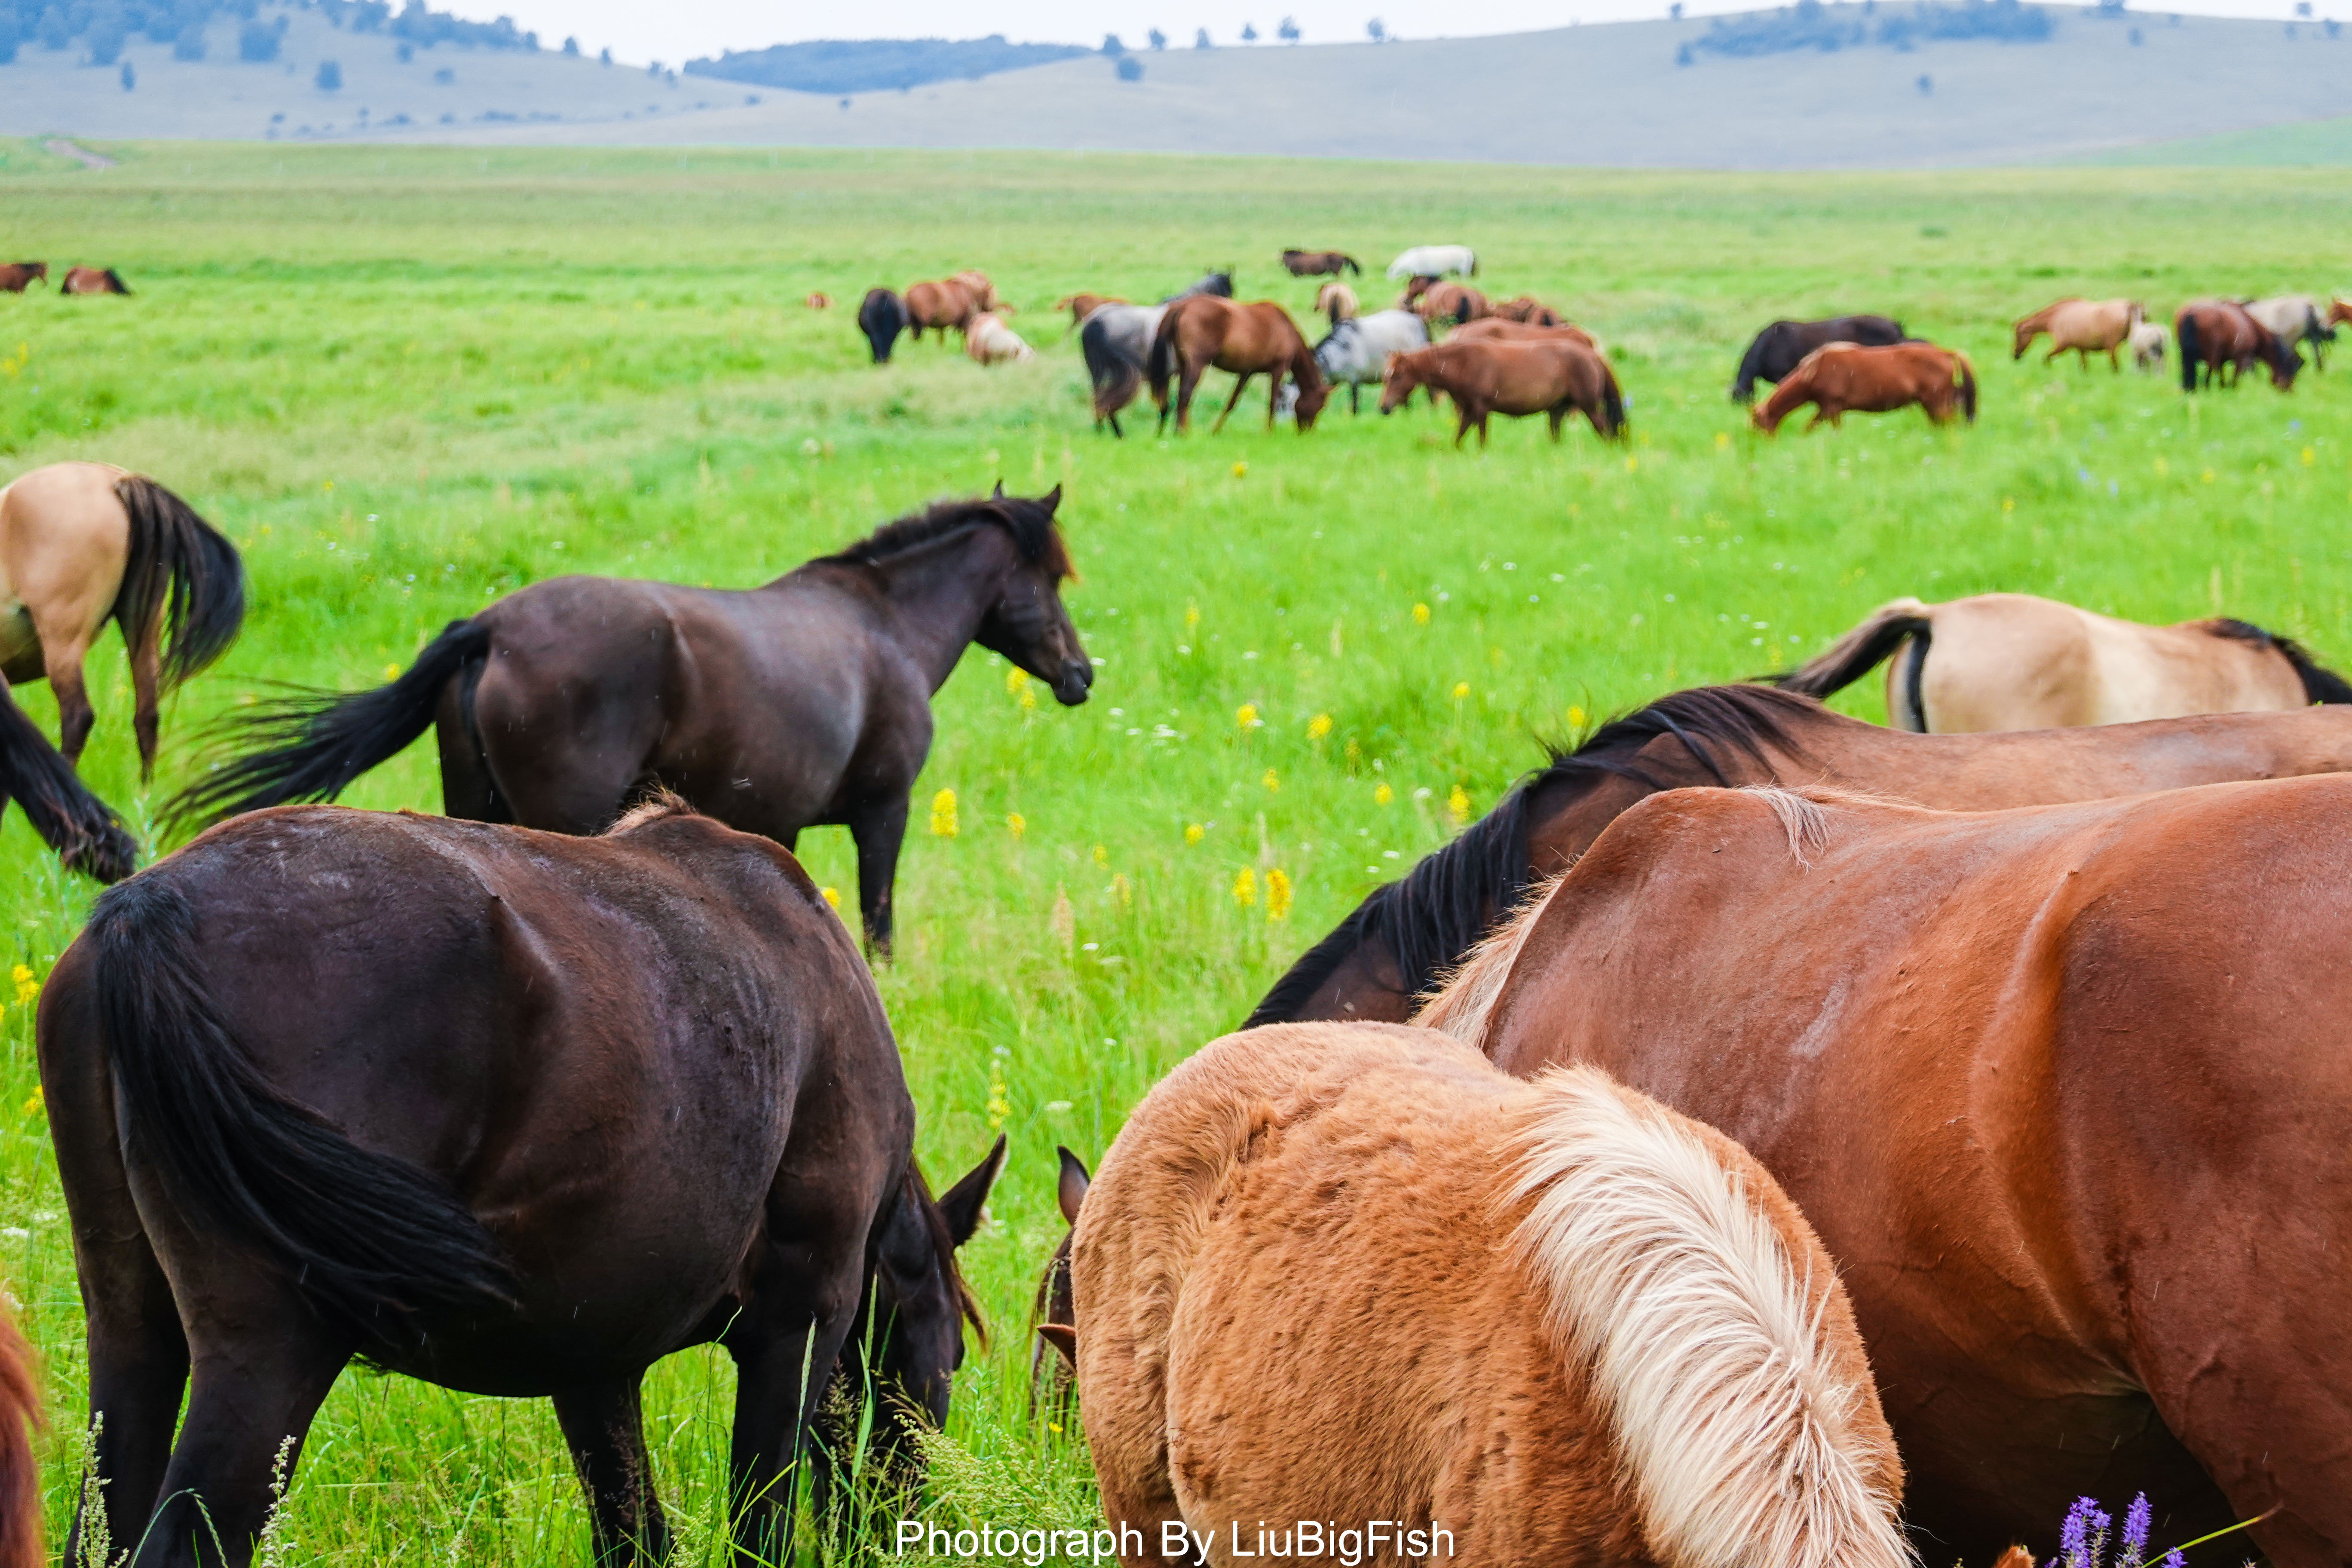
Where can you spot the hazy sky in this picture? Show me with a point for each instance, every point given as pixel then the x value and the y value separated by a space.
pixel 682 29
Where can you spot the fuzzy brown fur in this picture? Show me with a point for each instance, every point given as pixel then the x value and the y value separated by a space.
pixel 20 1474
pixel 1081 306
pixel 1506 330
pixel 17 275
pixel 1555 378
pixel 936 307
pixel 1528 309
pixel 1839 378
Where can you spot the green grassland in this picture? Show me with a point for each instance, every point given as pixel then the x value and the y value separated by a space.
pixel 408 380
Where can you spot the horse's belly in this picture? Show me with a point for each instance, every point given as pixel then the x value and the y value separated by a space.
pixel 20 646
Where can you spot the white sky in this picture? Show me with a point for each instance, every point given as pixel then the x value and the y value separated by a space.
pixel 680 30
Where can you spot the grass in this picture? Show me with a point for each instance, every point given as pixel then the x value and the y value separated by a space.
pixel 408 380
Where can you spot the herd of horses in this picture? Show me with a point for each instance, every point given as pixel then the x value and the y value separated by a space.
pixel 16 277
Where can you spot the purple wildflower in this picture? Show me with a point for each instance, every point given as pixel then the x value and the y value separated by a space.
pixel 2136 1518
pixel 2083 1540
pixel 2173 1559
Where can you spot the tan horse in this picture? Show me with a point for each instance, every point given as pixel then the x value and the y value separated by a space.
pixel 1500 329
pixel 939 306
pixel 1338 301
pixel 2011 661
pixel 1526 308
pixel 1201 330
pixel 1081 306
pixel 1839 378
pixel 93 280
pixel 84 542
pixel 1554 379
pixel 17 275
pixel 2084 326
pixel 1352 1275
pixel 990 341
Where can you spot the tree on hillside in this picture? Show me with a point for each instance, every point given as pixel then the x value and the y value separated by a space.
pixel 1289 31
pixel 571 47
pixel 1158 40
pixel 1129 69
pixel 331 76
pixel 1201 38
pixel 257 42
pixel 1249 33
pixel 605 56
pixel 130 76
pixel 1378 30
pixel 1111 46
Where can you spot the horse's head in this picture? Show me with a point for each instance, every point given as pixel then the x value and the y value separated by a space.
pixel 1314 392
pixel 2285 362
pixel 1054 1358
pixel 1029 624
pixel 1397 383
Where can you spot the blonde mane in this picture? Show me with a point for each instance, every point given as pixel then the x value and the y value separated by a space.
pixel 1464 997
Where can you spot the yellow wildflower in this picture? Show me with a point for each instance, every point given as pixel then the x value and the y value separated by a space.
pixel 1245 887
pixel 1000 1108
pixel 1461 689
pixel 1272 781
pixel 1102 856
pixel 1382 795
pixel 1246 716
pixel 392 672
pixel 832 896
pixel 1191 616
pixel 2309 457
pixel 1458 803
pixel 1277 894
pixel 1318 726
pixel 1122 890
pixel 39 1104
pixel 1576 716
pixel 1722 440
pixel 1016 825
pixel 943 814
pixel 1240 469
pixel 1194 833
pixel 1420 614
pixel 1015 679
pixel 26 986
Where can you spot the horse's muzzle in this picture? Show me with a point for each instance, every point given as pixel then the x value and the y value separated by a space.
pixel 1070 686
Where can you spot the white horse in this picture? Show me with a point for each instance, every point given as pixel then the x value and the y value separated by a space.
pixel 990 341
pixel 1434 261
pixel 2295 319
pixel 1358 351
pixel 2149 341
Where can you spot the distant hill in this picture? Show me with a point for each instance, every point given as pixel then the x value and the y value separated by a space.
pixel 876 64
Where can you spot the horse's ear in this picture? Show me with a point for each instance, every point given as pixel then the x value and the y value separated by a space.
pixel 999 491
pixel 1063 1338
pixel 1071 1190
pixel 960 1205
pixel 1051 501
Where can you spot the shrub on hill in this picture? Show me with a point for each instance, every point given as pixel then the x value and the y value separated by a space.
pixel 1809 25
pixel 103 26
pixel 871 65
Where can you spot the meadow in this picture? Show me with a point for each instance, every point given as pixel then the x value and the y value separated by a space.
pixel 408 380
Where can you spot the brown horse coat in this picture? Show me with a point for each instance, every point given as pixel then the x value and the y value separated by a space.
pixel 1450 304
pixel 2052 1085
pixel 1081 306
pixel 1839 378
pixel 1528 309
pixel 1349 1272
pixel 20 1473
pixel 2086 326
pixel 93 280
pixel 1553 378
pixel 2222 336
pixel 1502 328
pixel 17 276
pixel 939 306
pixel 1314 263
pixel 1201 331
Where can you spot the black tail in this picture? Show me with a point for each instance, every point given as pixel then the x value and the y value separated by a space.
pixel 1114 375
pixel 1968 388
pixel 180 571
pixel 1156 364
pixel 1612 403
pixel 882 316
pixel 2320 684
pixel 313 745
pixel 82 828
pixel 369 1237
pixel 114 281
pixel 1353 265
pixel 1854 655
pixel 2185 329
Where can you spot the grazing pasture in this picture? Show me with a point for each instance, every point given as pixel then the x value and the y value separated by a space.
pixel 405 382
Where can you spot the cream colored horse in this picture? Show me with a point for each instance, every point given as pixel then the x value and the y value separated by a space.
pixel 2011 661
pixel 990 341
pixel 1338 301
pixel 2086 326
pixel 2148 342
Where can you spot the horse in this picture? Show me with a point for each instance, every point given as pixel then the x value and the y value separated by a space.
pixel 16 277
pixel 990 341
pixel 1554 379
pixel 1316 263
pixel 1451 303
pixel 2148 342
pixel 1053 1316
pixel 1838 379
pixel 1353 1274
pixel 1436 261
pixel 1502 330
pixel 1203 330
pixel 2339 310
pixel 20 1471
pixel 2084 326
pixel 2050 1084
pixel 1406 933
pixel 982 292
pixel 882 316
pixel 1081 306
pixel 2221 336
pixel 939 306
pixel 2011 661
pixel 1414 288
pixel 1528 309
pixel 1117 343
pixel 2295 319
pixel 1219 284
pixel 93 280
pixel 819 301
pixel 1358 351
pixel 83 544
pixel 589 1101
pixel 773 709
pixel 1782 346
pixel 1336 301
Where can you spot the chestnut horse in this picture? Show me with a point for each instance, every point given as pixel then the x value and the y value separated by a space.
pixel 1316 263
pixel 2084 326
pixel 2011 661
pixel 1408 933
pixel 1526 308
pixel 1782 346
pixel 20 1472
pixel 2051 1084
pixel 1450 304
pixel 17 275
pixel 93 280
pixel 1081 306
pixel 2221 336
pixel 508 1112
pixel 1554 379
pixel 819 301
pixel 775 709
pixel 1202 329
pixel 1842 378
pixel 2339 312
pixel 939 306
pixel 1351 1274
pixel 1500 329
pixel 83 544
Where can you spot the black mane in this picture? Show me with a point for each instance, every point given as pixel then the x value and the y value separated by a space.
pixel 1029 521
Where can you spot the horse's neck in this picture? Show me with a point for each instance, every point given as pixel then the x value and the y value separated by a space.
pixel 941 592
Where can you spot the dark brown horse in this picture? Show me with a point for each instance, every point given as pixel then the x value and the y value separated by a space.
pixel 776 709
pixel 2222 337
pixel 1408 934
pixel 508 1112
pixel 20 1473
pixel 1554 378
pixel 1782 346
pixel 1839 378
pixel 1201 331
pixel 93 280
pixel 1314 263
pixel 17 276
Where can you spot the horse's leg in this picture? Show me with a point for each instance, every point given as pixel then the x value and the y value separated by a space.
pixel 145 665
pixel 1356 397
pixel 63 656
pixel 1188 381
pixel 1234 401
pixel 604 1425
pixel 1115 430
pixel 879 829
pixel 803 1307
pixel 1463 421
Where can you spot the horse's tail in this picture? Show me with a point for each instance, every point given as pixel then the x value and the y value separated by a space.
pixel 1114 374
pixel 182 569
pixel 1158 363
pixel 2184 330
pixel 114 283
pixel 1744 1419
pixel 1612 403
pixel 313 745
pixel 1751 365
pixel 20 1474
pixel 1967 386
pixel 1858 652
pixel 82 828
pixel 366 1236
pixel 1353 265
pixel 2320 684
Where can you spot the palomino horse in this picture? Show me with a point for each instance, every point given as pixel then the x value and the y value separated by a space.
pixel 81 543
pixel 2011 661
pixel 1081 306
pixel 1839 378
pixel 590 1101
pixel 2051 1084
pixel 1203 330
pixel 881 316
pixel 1527 309
pixel 1351 1274
pixel 1782 346
pixel 1436 261
pixel 1358 351
pixel 1338 302
pixel 936 307
pixel 93 280
pixel 17 276
pixel 1500 329
pixel 1407 933
pixel 1450 304
pixel 20 1472
pixel 1554 379
pixel 2084 326
pixel 1117 343
pixel 2221 336
pixel 776 709
pixel 1317 263
pixel 988 340
pixel 2295 319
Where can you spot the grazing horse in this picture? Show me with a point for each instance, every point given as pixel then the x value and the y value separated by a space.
pixel 17 276
pixel 1407 933
pixel 2011 661
pixel 1414 288
pixel 2084 326
pixel 990 341
pixel 1316 263
pixel 1358 351
pixel 1554 379
pixel 1220 284
pixel 939 306
pixel 1497 329
pixel 1782 346
pixel 1203 330
pixel 882 316
pixel 1081 306
pixel 1117 341
pixel 93 280
pixel 2050 1085
pixel 1436 261
pixel 2147 340
pixel 2219 335
pixel 982 292
pixel 81 543
pixel 1350 1273
pixel 1528 309
pixel 20 1472
pixel 588 1101
pixel 1338 301
pixel 1450 304
pixel 775 709
pixel 2295 319
pixel 2339 310
pixel 1842 378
